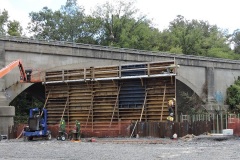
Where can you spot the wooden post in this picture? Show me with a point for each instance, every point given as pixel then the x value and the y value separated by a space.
pixel 143 106
pixel 93 93
pixel 91 106
pixel 148 70
pixel 134 128
pixel 84 74
pixel 46 102
pixel 68 115
pixel 115 105
pixel 93 73
pixel 163 101
pixel 64 109
pixel 120 71
pixel 63 75
pixel 67 104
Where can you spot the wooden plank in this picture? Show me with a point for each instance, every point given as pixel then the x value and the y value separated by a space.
pixel 163 102
pixel 145 98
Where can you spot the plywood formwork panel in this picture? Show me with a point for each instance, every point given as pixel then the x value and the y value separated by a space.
pixel 105 97
pixel 157 100
pixel 100 97
pixel 105 72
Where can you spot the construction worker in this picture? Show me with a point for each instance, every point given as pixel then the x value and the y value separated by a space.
pixel 170 109
pixel 171 104
pixel 171 68
pixel 170 117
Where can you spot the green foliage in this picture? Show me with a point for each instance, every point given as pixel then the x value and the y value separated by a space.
pixel 22 104
pixel 233 96
pixel 191 104
pixel 3 21
pixel 197 37
pixel 113 25
pixel 7 27
pixel 220 53
pixel 66 24
pixel 236 40
pixel 120 25
pixel 121 28
pixel 177 50
pixel 14 28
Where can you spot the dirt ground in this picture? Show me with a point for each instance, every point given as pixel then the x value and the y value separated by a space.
pixel 195 148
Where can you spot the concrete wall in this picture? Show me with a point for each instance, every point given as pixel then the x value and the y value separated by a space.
pixel 6 118
pixel 223 78
pixel 187 75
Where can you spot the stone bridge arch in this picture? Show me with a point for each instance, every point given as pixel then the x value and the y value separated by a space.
pixel 191 86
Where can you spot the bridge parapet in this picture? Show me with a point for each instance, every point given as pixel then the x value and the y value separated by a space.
pixel 191 60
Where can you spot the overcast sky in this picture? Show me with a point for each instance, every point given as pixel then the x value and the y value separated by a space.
pixel 223 13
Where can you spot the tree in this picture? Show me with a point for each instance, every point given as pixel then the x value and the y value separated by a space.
pixel 22 103
pixel 122 27
pixel 233 96
pixel 191 104
pixel 66 24
pixel 3 21
pixel 184 35
pixel 14 28
pixel 236 40
pixel 197 37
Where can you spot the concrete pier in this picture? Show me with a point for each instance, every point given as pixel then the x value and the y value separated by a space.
pixel 7 114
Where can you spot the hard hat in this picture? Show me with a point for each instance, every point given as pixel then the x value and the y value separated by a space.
pixel 174 99
pixel 171 114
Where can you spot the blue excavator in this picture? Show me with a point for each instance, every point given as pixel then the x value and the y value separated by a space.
pixel 37 125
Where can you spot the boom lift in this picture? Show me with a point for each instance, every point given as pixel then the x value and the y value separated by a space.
pixel 25 75
pixel 37 123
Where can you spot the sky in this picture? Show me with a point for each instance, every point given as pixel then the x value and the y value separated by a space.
pixel 223 13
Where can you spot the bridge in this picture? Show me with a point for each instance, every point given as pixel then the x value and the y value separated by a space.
pixel 207 77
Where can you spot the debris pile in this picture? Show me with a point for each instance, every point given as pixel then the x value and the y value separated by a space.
pixel 188 137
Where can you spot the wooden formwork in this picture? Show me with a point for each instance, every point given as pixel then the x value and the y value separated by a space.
pixel 102 97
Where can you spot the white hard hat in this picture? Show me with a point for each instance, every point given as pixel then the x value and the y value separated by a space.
pixel 174 135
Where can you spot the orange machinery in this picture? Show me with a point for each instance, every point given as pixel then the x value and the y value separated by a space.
pixel 25 75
